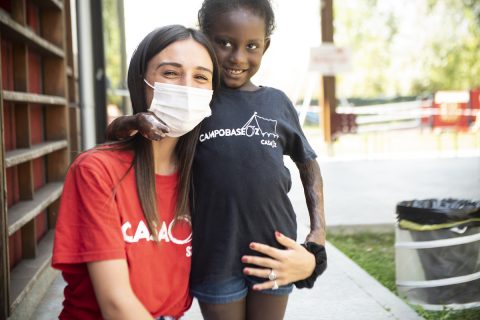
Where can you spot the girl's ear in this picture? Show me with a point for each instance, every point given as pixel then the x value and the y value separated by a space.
pixel 267 44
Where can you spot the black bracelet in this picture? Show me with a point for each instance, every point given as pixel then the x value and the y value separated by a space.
pixel 320 264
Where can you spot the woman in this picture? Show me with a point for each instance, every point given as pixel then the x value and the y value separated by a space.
pixel 123 236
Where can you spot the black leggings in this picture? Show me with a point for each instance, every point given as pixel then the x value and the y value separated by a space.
pixel 255 306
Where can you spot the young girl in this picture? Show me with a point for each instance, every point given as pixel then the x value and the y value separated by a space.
pixel 123 236
pixel 240 181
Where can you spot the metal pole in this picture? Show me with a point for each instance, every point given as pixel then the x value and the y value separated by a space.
pixel 86 83
pixel 100 83
pixel 123 54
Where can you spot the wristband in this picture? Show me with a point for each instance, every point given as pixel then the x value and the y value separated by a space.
pixel 320 264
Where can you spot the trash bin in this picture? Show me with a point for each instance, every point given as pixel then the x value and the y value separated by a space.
pixel 437 246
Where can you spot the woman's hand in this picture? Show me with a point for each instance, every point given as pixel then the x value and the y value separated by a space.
pixel 289 265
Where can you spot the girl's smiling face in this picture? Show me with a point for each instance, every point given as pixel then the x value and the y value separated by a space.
pixel 238 37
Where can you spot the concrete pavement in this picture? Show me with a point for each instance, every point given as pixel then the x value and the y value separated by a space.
pixel 358 194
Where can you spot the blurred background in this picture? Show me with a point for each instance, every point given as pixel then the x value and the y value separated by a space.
pixel 371 79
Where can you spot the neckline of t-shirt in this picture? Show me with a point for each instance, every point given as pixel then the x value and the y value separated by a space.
pixel 167 177
pixel 237 91
pixel 127 156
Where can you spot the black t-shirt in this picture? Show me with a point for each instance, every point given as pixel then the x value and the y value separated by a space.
pixel 240 181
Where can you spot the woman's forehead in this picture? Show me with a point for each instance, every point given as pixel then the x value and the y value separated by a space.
pixel 186 52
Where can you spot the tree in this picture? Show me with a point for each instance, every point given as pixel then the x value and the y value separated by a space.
pixel 113 47
pixel 409 47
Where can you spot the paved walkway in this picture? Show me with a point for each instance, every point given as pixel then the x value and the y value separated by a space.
pixel 361 193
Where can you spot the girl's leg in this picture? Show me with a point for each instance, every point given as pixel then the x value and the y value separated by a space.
pixel 261 306
pixel 222 311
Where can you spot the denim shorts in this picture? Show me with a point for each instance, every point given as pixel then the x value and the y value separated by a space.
pixel 232 289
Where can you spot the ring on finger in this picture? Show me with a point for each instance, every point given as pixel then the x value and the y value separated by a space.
pixel 275 285
pixel 272 276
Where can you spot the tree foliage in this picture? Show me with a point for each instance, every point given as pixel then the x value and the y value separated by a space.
pixel 114 48
pixel 409 47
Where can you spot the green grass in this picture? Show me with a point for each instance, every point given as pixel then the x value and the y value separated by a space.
pixel 375 253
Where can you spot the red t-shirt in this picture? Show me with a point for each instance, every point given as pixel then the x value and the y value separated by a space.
pixel 100 218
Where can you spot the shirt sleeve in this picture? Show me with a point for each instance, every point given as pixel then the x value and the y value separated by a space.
pixel 296 144
pixel 88 225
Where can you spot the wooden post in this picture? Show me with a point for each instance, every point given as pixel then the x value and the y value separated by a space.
pixel 327 96
pixel 4 268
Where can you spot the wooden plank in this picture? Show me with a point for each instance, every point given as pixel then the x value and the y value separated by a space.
pixel 71 65
pixel 53 27
pixel 54 76
pixel 19 11
pixel 52 214
pixel 18 156
pixel 4 265
pixel 75 132
pixel 56 123
pixel 25 180
pixel 29 243
pixel 27 272
pixel 16 31
pixel 33 98
pixel 57 165
pixel 24 211
pixel 22 125
pixel 327 87
pixel 20 63
pixel 56 4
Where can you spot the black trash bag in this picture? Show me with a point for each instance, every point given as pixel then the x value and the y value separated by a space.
pixel 435 211
pixel 447 262
pixel 433 219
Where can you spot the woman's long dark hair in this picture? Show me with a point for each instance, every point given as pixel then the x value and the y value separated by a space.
pixel 143 161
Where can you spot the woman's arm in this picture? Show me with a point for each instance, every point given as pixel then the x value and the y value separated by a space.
pixel 144 122
pixel 114 294
pixel 313 188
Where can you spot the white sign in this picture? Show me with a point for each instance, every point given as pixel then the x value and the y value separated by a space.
pixel 330 60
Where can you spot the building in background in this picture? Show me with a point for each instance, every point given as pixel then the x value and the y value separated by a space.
pixel 53 105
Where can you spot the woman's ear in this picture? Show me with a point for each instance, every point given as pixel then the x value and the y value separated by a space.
pixel 267 44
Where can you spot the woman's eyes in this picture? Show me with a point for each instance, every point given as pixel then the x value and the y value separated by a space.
pixel 175 74
pixel 202 77
pixel 170 73
pixel 252 46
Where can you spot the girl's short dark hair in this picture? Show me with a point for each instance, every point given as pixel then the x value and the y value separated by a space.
pixel 212 8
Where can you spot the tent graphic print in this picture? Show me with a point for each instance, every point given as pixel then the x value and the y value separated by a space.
pixel 264 126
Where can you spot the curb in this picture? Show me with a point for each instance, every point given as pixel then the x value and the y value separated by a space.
pixel 349 229
pixel 378 293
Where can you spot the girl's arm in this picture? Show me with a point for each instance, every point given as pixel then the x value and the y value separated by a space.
pixel 114 294
pixel 144 122
pixel 313 188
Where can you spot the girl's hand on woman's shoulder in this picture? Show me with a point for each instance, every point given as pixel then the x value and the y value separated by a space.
pixel 289 265
pixel 149 126
pixel 145 123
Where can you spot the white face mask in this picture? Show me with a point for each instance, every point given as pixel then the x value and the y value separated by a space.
pixel 181 108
